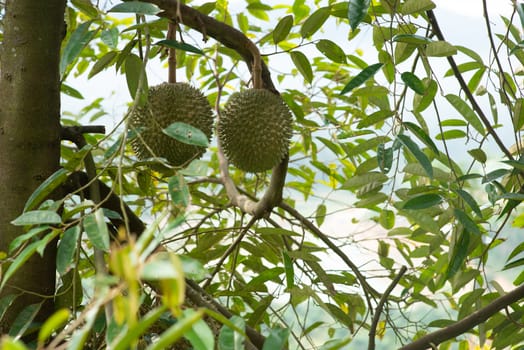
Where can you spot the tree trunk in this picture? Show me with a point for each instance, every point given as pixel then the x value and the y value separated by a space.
pixel 29 135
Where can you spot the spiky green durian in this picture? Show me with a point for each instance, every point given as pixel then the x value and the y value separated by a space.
pixel 254 130
pixel 169 103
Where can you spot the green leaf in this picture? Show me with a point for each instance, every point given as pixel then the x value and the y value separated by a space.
pixel 180 46
pixel 53 323
pixel 187 134
pixel 124 340
pixel 134 71
pixel 44 190
pixel 495 174
pixel 465 110
pixel 361 77
pixel 358 181
pixel 466 221
pixel 66 249
pixel 421 135
pixel 229 339
pixel 37 217
pixel 387 219
pixel 518 113
pixel 110 37
pixel 76 43
pixel 24 319
pixel 470 201
pixel 411 39
pixel 19 261
pixel 138 7
pixel 458 255
pixel 314 22
pixel 70 91
pixel 102 63
pixel 96 230
pixel 357 11
pixel 282 29
pixel 520 11
pixel 413 82
pixel 178 330
pixel 320 214
pixel 451 134
pixel 86 7
pixel 277 339
pixel 423 201
pixel 384 158
pixel 440 49
pixel 178 190
pixel 19 240
pixel 331 50
pixel 417 153
pixel 417 6
pixel 200 336
pixel 302 63
pixel 8 343
pixel 288 268
pixel 478 154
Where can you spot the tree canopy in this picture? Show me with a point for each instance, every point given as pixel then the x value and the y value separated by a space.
pixel 392 221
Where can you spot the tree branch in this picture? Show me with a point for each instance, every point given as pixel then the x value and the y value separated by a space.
pixel 464 86
pixel 467 323
pixel 236 40
pixel 380 306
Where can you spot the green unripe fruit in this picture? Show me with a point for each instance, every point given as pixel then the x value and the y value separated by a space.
pixel 169 103
pixel 254 130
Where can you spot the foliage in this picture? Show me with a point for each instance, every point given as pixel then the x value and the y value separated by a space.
pixel 395 161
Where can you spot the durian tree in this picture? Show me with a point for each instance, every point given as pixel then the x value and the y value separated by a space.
pixel 279 187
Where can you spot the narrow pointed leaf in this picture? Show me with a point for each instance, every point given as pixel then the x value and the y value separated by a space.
pixel 459 254
pixel 36 217
pixel 96 230
pixel 178 190
pixel 467 112
pixel 331 50
pixel 57 320
pixel 470 201
pixel 180 46
pixel 66 249
pixel 302 63
pixel 134 71
pixel 417 153
pixel 417 6
pixel 44 190
pixel 314 22
pixel 423 201
pixel 466 221
pixel 357 11
pixel 24 319
pixel 413 82
pixel 138 7
pixel 276 339
pixel 78 40
pixel 282 29
pixel 440 49
pixel 229 339
pixel 421 135
pixel 411 39
pixel 361 77
pixel 186 133
pixel 102 63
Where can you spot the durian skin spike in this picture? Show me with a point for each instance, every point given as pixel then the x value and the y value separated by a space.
pixel 169 103
pixel 254 130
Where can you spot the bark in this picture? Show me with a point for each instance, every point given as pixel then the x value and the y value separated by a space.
pixel 29 135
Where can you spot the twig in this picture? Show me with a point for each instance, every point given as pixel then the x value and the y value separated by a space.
pixel 320 235
pixel 464 86
pixel 229 250
pixel 380 306
pixel 467 323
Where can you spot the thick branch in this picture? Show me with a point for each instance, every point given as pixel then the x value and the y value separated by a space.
pixel 467 323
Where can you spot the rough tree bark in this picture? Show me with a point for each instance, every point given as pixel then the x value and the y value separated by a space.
pixel 29 134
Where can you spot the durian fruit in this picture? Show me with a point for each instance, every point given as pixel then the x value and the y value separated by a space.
pixel 254 130
pixel 169 103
